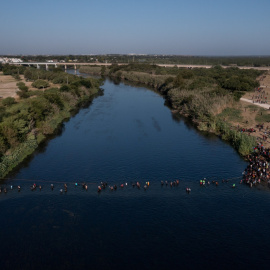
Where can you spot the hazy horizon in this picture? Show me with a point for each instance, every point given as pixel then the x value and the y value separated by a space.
pixel 177 55
pixel 185 28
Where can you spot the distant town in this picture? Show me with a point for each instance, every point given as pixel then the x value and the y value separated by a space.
pixel 6 60
pixel 251 61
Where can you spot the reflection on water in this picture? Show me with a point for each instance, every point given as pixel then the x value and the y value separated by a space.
pixel 128 135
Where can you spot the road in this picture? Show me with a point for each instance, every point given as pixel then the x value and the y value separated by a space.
pixel 266 106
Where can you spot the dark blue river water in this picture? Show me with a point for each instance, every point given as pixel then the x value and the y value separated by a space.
pixel 124 136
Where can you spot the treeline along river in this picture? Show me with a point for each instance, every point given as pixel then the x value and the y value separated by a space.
pixel 128 135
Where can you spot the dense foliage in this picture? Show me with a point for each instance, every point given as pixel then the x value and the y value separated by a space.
pixel 40 84
pixel 232 79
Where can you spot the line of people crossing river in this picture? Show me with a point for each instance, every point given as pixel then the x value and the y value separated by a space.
pixel 64 187
pixel 257 172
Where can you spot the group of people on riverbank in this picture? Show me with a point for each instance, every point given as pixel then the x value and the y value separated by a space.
pixel 258 169
pixel 264 132
pixel 260 96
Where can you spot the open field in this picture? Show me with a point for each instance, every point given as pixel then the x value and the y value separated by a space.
pixel 8 85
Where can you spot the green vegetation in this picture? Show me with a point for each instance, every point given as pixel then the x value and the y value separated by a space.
pixel 232 79
pixel 22 86
pixel 262 116
pixel 40 84
pixel 8 101
pixel 231 114
pixel 12 70
pixel 241 141
pixel 24 124
pixel 23 93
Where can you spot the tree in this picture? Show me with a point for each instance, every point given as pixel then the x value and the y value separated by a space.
pixel 40 84
pixel 64 88
pixel 52 95
pixel 103 70
pixel 39 108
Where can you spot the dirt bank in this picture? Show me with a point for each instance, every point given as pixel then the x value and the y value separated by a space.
pixel 253 113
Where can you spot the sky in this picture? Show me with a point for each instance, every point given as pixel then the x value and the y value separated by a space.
pixel 190 27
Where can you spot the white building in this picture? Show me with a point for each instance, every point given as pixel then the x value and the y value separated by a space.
pixel 6 60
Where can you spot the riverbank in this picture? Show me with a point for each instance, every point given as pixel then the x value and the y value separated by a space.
pixel 28 121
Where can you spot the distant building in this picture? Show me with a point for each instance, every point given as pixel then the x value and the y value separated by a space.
pixel 6 60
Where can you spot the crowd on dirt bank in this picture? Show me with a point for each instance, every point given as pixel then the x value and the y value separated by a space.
pixel 261 128
pixel 258 169
pixel 260 96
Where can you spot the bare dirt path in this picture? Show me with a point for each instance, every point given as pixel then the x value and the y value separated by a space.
pixel 8 87
pixel 266 106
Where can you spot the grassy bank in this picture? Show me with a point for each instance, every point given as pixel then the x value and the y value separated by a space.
pixel 203 95
pixel 29 120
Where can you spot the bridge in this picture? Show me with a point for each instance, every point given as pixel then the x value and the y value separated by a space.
pixel 65 64
pixel 75 65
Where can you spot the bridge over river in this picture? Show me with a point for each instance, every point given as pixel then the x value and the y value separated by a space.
pixel 75 65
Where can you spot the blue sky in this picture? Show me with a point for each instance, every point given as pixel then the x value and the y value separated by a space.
pixel 191 27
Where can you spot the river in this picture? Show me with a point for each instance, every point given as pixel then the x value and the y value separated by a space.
pixel 124 136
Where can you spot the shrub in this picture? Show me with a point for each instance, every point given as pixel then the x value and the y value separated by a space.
pixel 85 82
pixel 65 88
pixel 16 77
pixel 8 101
pixel 22 86
pixel 23 94
pixel 237 95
